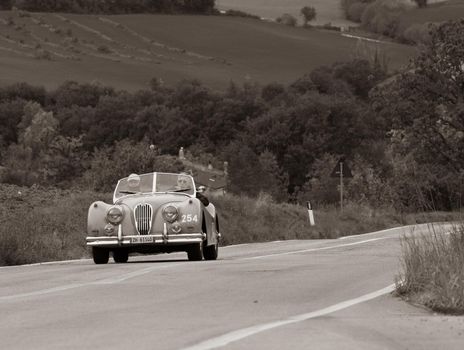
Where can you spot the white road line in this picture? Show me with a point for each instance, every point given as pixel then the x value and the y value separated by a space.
pixel 377 232
pixel 239 334
pixel 111 280
pixel 43 291
pixel 316 249
pixel 243 244
pixel 124 277
pixel 46 263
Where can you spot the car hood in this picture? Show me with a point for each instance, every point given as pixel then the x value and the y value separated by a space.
pixel 156 200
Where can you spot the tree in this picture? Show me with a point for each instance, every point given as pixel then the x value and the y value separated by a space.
pixel 425 107
pixel 5 4
pixel 421 3
pixel 25 160
pixel 308 13
pixel 273 181
pixel 10 116
pixel 245 172
pixel 360 74
pixel 110 163
pixel 287 19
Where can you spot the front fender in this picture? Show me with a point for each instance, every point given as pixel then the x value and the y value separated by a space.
pixel 96 218
pixel 209 217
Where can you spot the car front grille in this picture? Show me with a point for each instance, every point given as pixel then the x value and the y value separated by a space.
pixel 143 217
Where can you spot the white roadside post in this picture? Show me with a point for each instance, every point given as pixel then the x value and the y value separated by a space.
pixel 310 214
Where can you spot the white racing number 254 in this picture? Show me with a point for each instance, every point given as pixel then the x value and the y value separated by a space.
pixel 189 218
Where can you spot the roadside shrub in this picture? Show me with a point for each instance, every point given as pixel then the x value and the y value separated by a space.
pixel 42 54
pixel 433 270
pixel 238 13
pixel 245 220
pixel 23 91
pixel 418 33
pixel 104 49
pixel 287 19
pixel 40 224
pixel 355 11
pixel 383 16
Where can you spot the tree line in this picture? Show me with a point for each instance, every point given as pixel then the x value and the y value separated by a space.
pixel 402 135
pixel 111 6
pixel 386 17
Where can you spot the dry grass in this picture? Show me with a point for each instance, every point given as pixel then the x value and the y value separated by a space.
pixel 433 270
pixel 39 224
pixel 45 224
pixel 247 220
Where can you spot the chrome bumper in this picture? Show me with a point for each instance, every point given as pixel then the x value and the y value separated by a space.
pixel 186 238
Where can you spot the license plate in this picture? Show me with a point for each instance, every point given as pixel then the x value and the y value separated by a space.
pixel 142 239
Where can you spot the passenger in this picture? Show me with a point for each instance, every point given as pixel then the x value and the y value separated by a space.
pixel 183 183
pixel 200 195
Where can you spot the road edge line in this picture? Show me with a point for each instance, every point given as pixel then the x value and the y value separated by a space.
pixel 240 334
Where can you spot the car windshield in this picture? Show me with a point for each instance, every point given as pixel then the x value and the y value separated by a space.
pixel 155 182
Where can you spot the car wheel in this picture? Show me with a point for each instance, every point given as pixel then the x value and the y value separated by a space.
pixel 100 255
pixel 211 252
pixel 195 252
pixel 120 255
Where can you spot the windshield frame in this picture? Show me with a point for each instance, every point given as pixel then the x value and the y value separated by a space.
pixel 155 186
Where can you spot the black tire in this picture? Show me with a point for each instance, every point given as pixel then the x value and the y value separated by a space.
pixel 211 252
pixel 120 255
pixel 100 255
pixel 195 252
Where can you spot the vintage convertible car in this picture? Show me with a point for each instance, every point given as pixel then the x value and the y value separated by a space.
pixel 153 213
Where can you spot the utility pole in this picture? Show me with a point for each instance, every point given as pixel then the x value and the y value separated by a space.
pixel 341 171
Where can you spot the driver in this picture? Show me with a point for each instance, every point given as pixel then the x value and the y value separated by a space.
pixel 183 183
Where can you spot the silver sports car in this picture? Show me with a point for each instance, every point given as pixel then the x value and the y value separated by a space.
pixel 153 213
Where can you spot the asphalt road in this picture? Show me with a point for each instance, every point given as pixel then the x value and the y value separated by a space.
pixel 318 294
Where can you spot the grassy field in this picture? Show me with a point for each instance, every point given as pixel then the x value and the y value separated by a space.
pixel 126 51
pixel 327 10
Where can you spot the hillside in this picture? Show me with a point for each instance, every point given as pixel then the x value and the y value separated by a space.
pixel 435 12
pixel 327 10
pixel 126 51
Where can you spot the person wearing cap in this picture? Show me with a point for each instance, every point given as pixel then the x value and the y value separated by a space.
pixel 183 183
pixel 133 182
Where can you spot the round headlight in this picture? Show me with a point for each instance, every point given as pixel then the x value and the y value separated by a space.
pixel 170 213
pixel 114 215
